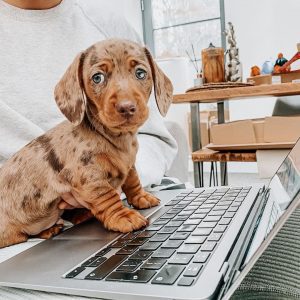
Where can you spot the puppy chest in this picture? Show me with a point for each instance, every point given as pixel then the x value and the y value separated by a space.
pixel 115 168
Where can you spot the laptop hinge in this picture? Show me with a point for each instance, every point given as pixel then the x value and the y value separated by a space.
pixel 232 264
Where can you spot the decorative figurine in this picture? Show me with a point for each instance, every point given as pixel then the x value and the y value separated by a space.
pixel 279 63
pixel 213 64
pixel 267 67
pixel 233 65
pixel 255 71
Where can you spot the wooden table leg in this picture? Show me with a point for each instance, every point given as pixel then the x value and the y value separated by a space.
pixel 223 165
pixel 196 144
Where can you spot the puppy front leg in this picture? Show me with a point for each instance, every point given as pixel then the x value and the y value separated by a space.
pixel 136 195
pixel 105 204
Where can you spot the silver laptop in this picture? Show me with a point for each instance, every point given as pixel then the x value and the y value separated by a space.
pixel 200 244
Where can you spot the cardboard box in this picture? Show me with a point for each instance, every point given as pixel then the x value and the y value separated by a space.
pixel 207 119
pixel 257 131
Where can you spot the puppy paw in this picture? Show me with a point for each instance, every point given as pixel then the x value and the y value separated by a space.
pixel 126 221
pixel 144 200
pixel 51 232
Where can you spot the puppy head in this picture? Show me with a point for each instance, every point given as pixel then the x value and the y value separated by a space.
pixel 113 79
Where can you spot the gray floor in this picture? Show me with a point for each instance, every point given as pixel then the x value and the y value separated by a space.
pixel 236 179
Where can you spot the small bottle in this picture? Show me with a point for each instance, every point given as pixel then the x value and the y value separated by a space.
pixel 199 80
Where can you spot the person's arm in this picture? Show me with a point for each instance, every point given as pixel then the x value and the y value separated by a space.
pixel 15 131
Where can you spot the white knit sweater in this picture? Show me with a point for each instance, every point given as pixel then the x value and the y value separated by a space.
pixel 36 47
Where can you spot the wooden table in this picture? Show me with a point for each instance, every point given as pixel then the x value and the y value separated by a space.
pixel 219 96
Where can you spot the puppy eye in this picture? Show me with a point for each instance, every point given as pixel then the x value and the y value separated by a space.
pixel 98 78
pixel 140 74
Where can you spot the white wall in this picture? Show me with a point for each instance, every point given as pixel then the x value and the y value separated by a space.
pixel 263 29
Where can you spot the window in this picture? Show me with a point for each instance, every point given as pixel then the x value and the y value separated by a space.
pixel 172 26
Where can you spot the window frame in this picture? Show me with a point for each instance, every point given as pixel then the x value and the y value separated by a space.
pixel 146 7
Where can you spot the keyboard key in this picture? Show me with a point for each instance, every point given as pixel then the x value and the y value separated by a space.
pixel 203 210
pixel 146 234
pixel 180 206
pixel 168 275
pixel 153 263
pixel 192 222
pixel 127 250
pixel 187 228
pixel 207 205
pixel 119 243
pixel 208 246
pixel 163 253
pixel 197 216
pixel 220 207
pixel 168 216
pixel 197 239
pixel 202 231
pixel 173 202
pixel 190 197
pixel 220 228
pixel 172 244
pixel 102 252
pixel 75 272
pixel 154 227
pixel 129 265
pixel 193 270
pixel 159 237
pixel 180 259
pixel 88 261
pixel 185 213
pixel 214 237
pixel 174 224
pixel 104 269
pixel 98 262
pixel 180 218
pixel 185 281
pixel 138 241
pixel 141 276
pixel 201 257
pixel 167 230
pixel 212 219
pixel 189 248
pixel 211 201
pixel 225 221
pixel 228 198
pixel 192 207
pixel 174 211
pixel 207 224
pixel 161 222
pixel 141 254
pixel 229 215
pixel 236 204
pixel 150 246
pixel 180 236
pixel 232 209
pixel 217 213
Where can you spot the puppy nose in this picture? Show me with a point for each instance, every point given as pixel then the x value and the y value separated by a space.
pixel 126 108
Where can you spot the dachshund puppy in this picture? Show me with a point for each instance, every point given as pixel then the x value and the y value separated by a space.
pixel 104 95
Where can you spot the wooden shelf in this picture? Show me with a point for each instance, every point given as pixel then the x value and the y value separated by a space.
pixel 208 96
pixel 207 155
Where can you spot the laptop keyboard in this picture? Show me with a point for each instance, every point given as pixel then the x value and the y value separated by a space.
pixel 175 248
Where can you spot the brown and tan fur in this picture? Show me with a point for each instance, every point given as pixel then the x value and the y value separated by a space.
pixel 92 155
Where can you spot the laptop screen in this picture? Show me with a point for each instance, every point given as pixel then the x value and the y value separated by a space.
pixel 283 189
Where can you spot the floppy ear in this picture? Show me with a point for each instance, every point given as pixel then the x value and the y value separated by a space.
pixel 69 92
pixel 163 87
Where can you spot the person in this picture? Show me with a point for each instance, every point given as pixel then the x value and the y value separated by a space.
pixel 39 39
